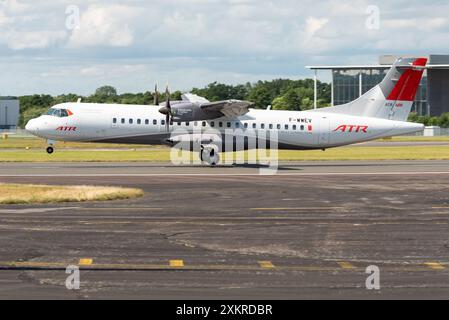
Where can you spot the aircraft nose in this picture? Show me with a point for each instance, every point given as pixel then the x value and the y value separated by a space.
pixel 31 126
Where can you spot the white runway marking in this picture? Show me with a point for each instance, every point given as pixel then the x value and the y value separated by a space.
pixel 36 210
pixel 223 174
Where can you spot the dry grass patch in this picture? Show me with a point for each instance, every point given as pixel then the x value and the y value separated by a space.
pixel 29 194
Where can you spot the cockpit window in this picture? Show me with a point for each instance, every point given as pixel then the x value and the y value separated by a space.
pixel 50 112
pixel 60 113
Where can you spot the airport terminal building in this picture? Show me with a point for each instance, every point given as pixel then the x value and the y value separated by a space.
pixel 9 113
pixel 350 82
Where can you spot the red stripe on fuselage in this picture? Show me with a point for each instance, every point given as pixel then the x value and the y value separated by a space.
pixel 407 86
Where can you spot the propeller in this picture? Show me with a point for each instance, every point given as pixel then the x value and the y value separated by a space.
pixel 156 95
pixel 168 106
pixel 167 110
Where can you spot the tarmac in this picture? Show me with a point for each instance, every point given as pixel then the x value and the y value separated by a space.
pixel 308 230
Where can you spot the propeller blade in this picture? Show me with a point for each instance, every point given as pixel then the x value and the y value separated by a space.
pixel 156 96
pixel 168 106
pixel 167 94
pixel 167 122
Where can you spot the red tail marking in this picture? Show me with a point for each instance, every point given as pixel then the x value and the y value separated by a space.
pixel 405 89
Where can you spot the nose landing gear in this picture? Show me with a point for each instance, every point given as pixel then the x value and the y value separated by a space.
pixel 50 149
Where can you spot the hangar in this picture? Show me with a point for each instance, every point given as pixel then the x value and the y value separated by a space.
pixel 350 82
pixel 9 113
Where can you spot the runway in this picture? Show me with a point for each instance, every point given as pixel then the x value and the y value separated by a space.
pixel 308 230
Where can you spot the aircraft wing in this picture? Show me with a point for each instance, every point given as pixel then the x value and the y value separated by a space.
pixel 228 108
pixel 190 97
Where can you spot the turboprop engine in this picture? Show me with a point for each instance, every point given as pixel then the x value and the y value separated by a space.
pixel 184 111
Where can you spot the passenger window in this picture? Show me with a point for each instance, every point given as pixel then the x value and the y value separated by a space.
pixel 212 124
pixel 187 124
pixel 130 121
pixel 286 127
pixel 237 125
pixel 204 123
pixel 245 125
pixel 294 127
pixel 254 126
pixel 147 121
pixel 279 127
pixel 220 124
pixel 262 126
pixel 302 128
pixel 139 121
pixel 162 122
pixel 179 123
pixel 228 124
pixel 114 120
pixel 123 120
pixel 271 126
pixel 155 122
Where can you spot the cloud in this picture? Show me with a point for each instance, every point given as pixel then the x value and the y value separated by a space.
pixel 192 42
pixel 104 25
pixel 20 40
pixel 313 25
pixel 14 6
pixel 4 19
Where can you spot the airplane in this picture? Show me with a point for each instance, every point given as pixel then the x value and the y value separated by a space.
pixel 380 112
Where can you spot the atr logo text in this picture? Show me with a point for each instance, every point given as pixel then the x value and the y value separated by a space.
pixel 393 104
pixel 352 128
pixel 66 129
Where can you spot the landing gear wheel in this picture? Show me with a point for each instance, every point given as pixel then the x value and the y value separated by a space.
pixel 50 150
pixel 209 155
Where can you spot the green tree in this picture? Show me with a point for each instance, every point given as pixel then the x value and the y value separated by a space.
pixel 261 97
pixel 218 91
pixel 289 101
pixel 31 113
pixel 443 120
pixel 106 91
pixel 279 103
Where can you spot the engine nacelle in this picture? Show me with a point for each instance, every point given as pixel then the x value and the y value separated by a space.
pixel 182 111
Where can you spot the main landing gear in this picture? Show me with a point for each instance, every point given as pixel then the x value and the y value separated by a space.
pixel 50 149
pixel 209 155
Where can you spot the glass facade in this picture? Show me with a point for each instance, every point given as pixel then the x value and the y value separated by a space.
pixel 346 86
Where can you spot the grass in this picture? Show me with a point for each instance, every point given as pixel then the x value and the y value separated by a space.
pixel 32 194
pixel 36 143
pixel 16 149
pixel 416 139
pixel 163 155
pixel 369 153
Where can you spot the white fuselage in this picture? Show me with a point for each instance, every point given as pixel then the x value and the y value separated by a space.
pixel 141 124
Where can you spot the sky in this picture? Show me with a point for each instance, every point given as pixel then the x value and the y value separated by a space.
pixel 60 46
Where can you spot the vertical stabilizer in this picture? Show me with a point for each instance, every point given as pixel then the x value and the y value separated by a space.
pixel 393 98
